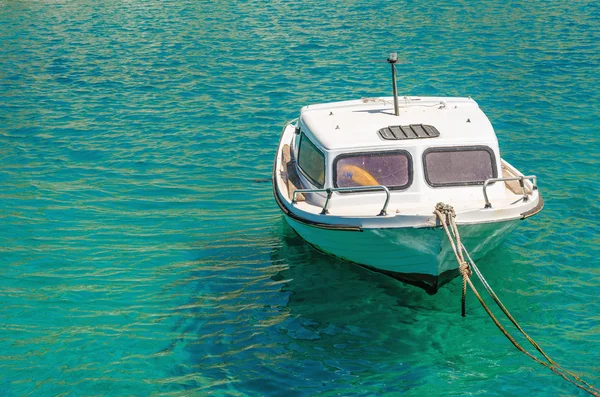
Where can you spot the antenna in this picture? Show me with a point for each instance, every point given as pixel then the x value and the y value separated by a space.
pixel 392 61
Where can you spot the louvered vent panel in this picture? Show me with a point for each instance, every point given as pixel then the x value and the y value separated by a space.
pixel 412 131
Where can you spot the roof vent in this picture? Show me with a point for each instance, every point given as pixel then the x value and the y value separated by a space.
pixel 412 131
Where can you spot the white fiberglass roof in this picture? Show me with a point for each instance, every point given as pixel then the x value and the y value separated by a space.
pixel 355 124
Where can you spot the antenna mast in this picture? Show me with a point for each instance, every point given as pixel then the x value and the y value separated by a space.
pixel 392 61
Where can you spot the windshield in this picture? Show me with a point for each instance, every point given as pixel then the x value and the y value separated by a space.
pixel 391 169
pixel 457 166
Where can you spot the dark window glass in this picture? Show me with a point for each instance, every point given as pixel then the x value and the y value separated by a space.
pixel 390 169
pixel 311 161
pixel 459 166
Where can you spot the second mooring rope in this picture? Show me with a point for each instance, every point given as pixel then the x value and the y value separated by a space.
pixel 446 215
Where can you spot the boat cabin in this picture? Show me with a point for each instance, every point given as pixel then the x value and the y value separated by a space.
pixel 436 149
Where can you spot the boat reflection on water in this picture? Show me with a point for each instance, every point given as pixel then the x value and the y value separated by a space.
pixel 329 290
pixel 345 321
pixel 291 317
pixel 280 315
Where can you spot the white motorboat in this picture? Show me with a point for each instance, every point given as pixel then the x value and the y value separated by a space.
pixel 360 179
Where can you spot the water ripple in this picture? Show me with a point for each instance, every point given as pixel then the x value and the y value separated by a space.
pixel 140 256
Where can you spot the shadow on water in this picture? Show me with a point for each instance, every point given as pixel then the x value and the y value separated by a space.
pixel 279 315
pixel 318 280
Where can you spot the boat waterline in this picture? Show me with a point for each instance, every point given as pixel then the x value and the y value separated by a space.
pixel 417 253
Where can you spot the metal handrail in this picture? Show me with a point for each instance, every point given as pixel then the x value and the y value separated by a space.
pixel 356 189
pixel 516 178
pixel 291 122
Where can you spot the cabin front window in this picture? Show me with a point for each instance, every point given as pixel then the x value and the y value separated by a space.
pixel 459 166
pixel 311 161
pixel 390 169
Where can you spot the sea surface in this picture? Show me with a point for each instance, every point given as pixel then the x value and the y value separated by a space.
pixel 141 250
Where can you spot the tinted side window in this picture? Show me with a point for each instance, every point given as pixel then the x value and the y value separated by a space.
pixel 459 166
pixel 311 161
pixel 390 169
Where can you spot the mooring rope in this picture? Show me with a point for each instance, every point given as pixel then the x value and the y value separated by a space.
pixel 463 266
pixel 446 216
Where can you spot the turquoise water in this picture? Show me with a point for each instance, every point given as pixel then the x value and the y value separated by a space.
pixel 141 253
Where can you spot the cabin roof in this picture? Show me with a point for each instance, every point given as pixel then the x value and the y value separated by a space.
pixel 356 124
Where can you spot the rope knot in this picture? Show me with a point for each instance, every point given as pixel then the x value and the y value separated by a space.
pixel 465 269
pixel 445 209
pixel 450 210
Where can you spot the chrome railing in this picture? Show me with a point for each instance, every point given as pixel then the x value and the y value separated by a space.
pixel 521 180
pixel 291 122
pixel 356 189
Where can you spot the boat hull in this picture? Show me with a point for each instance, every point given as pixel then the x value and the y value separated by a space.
pixel 421 256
